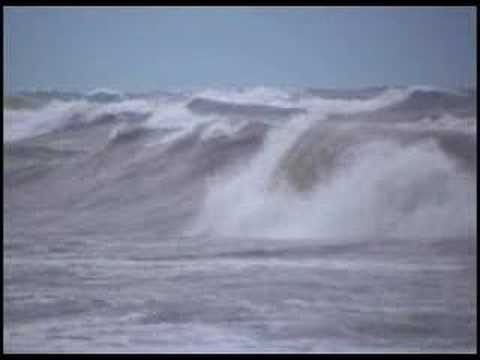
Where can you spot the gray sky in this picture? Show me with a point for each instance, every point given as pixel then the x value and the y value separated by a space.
pixel 140 49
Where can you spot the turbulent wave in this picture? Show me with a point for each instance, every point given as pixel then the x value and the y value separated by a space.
pixel 248 162
pixel 206 106
pixel 246 219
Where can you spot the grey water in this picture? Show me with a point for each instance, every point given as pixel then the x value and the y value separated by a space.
pixel 241 220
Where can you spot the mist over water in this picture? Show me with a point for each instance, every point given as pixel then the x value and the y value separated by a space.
pixel 247 219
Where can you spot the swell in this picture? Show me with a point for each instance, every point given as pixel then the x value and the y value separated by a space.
pixel 420 104
pixel 346 94
pixel 37 113
pixel 437 100
pixel 29 162
pixel 316 154
pixel 57 116
pixel 203 106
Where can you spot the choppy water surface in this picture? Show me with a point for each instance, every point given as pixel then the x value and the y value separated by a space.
pixel 241 220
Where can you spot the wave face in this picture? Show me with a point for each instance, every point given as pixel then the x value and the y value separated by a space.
pixel 247 175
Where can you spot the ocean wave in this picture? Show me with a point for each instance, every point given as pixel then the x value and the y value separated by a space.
pixel 258 162
pixel 203 106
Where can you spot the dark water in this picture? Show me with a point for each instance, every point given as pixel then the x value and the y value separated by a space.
pixel 257 220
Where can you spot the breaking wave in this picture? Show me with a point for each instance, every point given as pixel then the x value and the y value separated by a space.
pixel 266 162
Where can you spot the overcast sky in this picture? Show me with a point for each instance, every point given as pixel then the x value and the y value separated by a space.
pixel 141 49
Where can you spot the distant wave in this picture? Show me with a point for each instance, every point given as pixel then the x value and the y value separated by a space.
pixel 203 106
pixel 104 95
pixel 432 99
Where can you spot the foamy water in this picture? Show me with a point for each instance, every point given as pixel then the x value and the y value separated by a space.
pixel 244 220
